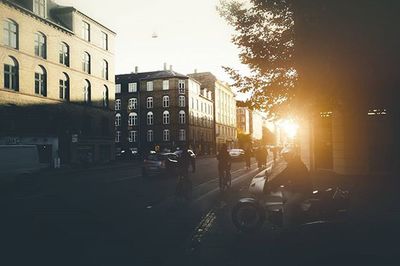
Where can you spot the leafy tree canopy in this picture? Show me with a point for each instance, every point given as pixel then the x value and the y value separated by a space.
pixel 264 33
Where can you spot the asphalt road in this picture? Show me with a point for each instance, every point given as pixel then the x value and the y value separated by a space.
pixel 108 216
pixel 112 216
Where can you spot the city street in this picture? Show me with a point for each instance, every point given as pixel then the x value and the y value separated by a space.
pixel 109 215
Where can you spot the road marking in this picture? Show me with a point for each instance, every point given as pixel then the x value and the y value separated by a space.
pixel 202 229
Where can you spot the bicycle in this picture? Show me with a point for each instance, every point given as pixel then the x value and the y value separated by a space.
pixel 225 179
pixel 184 187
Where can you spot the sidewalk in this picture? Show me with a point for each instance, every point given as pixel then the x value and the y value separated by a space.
pixel 64 170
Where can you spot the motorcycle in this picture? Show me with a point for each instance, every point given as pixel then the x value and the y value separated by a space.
pixel 249 214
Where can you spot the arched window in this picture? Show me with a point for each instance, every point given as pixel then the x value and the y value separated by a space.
pixel 86 62
pixel 166 118
pixel 166 101
pixel 133 136
pixel 40 45
pixel 64 54
pixel 182 101
pixel 132 105
pixel 64 87
pixel 182 135
pixel 132 120
pixel 182 117
pixel 117 104
pixel 150 135
pixel 87 92
pixel 150 118
pixel 10 33
pixel 149 102
pixel 105 70
pixel 117 136
pixel 117 120
pixel 166 135
pixel 40 81
pixel 11 75
pixel 105 96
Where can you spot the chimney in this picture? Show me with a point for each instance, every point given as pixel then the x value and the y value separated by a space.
pixel 195 70
pixel 136 69
pixel 165 66
pixel 170 67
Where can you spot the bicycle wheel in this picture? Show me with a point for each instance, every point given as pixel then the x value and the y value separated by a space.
pixel 188 189
pixel 228 179
pixel 221 184
pixel 179 188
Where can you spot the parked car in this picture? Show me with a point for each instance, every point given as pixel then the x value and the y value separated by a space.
pixel 162 164
pixel 236 154
pixel 192 158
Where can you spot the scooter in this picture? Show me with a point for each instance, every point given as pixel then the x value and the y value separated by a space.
pixel 249 214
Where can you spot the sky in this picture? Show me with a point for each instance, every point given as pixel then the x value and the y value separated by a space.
pixel 191 34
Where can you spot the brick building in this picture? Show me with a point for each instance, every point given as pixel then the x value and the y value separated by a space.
pixel 57 85
pixel 162 110
pixel 224 106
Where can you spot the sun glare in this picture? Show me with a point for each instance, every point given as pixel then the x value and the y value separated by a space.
pixel 290 128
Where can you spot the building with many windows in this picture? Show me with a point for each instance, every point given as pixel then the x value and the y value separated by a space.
pixel 224 106
pixel 57 85
pixel 162 110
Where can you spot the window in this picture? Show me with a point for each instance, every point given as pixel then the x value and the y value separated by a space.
pixel 192 103
pixel 149 102
pixel 64 54
pixel 117 136
pixel 117 120
pixel 132 120
pixel 40 45
pixel 166 101
pixel 182 135
pixel 86 62
pixel 132 87
pixel 182 101
pixel 11 79
pixel 150 118
pixel 117 104
pixel 64 87
pixel 40 81
pixel 150 135
pixel 166 135
pixel 104 40
pixel 10 33
pixel 182 117
pixel 86 31
pixel 39 8
pixel 149 85
pixel 166 118
pixel 132 136
pixel 105 70
pixel 181 86
pixel 117 88
pixel 87 92
pixel 105 96
pixel 132 104
pixel 165 85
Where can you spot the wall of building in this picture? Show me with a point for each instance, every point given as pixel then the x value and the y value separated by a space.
pixel 25 114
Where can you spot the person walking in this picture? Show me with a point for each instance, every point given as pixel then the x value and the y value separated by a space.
pixel 247 157
pixel 224 164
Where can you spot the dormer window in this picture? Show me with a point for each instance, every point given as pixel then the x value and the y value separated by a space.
pixel 39 8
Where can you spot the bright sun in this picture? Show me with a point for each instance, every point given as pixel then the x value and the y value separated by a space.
pixel 290 127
